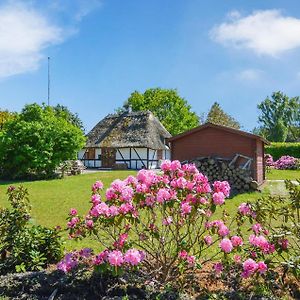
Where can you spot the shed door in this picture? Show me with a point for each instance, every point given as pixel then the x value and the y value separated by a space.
pixel 108 156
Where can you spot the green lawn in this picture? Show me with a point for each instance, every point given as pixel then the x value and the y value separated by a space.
pixel 52 199
pixel 283 174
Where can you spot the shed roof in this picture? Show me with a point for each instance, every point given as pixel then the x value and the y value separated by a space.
pixel 220 127
pixel 129 129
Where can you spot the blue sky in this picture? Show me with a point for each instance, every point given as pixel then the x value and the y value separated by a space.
pixel 234 52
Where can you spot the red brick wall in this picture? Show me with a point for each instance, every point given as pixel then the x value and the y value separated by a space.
pixel 215 142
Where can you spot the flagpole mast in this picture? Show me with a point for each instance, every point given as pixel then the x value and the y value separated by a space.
pixel 48 80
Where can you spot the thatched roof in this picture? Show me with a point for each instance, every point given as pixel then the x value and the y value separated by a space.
pixel 128 129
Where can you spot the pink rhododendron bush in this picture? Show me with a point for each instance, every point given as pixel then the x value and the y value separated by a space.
pixel 285 162
pixel 171 224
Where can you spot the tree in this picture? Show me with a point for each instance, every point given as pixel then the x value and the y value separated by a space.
pixel 36 141
pixel 172 110
pixel 64 112
pixel 217 116
pixel 4 117
pixel 279 115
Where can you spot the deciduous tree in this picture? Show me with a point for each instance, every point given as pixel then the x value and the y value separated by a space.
pixel 36 141
pixel 173 111
pixel 278 115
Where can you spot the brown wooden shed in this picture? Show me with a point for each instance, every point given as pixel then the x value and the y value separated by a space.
pixel 220 141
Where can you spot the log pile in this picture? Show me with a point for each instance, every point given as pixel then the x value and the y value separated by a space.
pixel 216 168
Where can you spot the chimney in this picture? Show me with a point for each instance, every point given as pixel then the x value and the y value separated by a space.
pixel 129 109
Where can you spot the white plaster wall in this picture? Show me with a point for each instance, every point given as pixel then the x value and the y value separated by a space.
pixel 167 154
pixel 125 152
pixel 81 154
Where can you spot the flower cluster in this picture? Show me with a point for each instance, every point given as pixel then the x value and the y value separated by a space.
pixel 286 163
pixel 250 267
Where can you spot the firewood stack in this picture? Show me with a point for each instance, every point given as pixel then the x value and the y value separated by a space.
pixel 236 171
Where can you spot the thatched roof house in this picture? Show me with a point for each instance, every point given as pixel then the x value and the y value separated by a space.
pixel 136 139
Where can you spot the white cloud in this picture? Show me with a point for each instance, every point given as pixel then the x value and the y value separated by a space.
pixel 27 29
pixel 250 74
pixel 266 32
pixel 24 33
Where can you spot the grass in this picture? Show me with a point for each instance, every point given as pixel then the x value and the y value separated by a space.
pixel 51 200
pixel 273 174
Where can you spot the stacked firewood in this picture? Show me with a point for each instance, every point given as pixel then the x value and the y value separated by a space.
pixel 216 168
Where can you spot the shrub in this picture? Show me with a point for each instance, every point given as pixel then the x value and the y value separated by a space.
pixel 24 246
pixel 165 224
pixel 281 149
pixel 286 163
pixel 283 163
pixel 35 142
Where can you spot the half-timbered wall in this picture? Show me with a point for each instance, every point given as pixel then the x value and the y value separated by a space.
pixel 135 158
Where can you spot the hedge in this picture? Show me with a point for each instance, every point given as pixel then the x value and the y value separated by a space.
pixel 280 149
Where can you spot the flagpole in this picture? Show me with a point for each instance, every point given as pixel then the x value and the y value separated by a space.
pixel 48 80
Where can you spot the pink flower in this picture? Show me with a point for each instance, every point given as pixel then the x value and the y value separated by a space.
pixel 167 221
pixel 185 208
pixel 166 165
pixel 89 223
pixel 208 240
pixel 69 262
pixel 110 194
pixel 175 165
pixel 125 208
pixel 226 245
pixel 163 195
pixel 121 241
pixel 257 228
pixel 150 200
pixel 191 260
pixel 73 212
pixel 113 211
pixel 236 241
pixel 101 257
pixel 223 230
pixel 203 200
pixel 96 199
pixel 100 209
pixel 245 209
pixel 218 198
pixel 98 185
pixel 249 267
pixel 73 222
pixel 141 188
pixel 183 254
pixel 115 258
pixel 181 183
pixel 126 193
pixel 132 257
pixel 131 180
pixel 222 186
pixel 261 267
pixel 218 267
